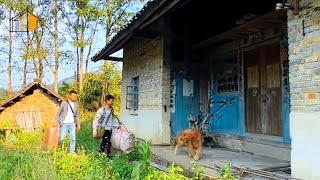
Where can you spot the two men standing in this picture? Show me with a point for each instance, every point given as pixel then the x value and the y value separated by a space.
pixel 68 119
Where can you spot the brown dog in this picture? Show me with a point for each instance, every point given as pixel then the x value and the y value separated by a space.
pixel 192 139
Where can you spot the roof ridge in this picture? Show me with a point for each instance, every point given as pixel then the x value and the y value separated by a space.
pixel 41 85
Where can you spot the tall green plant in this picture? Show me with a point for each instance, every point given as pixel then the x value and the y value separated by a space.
pixel 65 88
pixel 142 167
pixel 226 173
pixel 94 88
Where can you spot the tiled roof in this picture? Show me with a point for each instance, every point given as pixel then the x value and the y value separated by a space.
pixel 33 85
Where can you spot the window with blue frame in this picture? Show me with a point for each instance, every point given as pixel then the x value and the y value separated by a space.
pixel 132 99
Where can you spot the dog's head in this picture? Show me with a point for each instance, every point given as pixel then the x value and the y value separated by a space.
pixel 182 138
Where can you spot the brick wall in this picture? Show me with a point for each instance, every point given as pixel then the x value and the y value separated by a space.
pixel 304 78
pixel 304 58
pixel 36 101
pixel 145 59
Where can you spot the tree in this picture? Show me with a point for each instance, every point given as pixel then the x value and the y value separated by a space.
pixel 94 89
pixel 50 20
pixel 11 6
pixel 66 88
pixel 56 46
pixel 38 52
pixel 43 49
pixel 86 18
pixel 116 14
pixel 45 53
pixel 10 56
pixel 38 43
pixel 79 19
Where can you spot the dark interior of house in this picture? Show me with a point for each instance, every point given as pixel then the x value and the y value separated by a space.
pixel 202 19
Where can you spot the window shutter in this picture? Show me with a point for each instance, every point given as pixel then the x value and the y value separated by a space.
pixel 129 97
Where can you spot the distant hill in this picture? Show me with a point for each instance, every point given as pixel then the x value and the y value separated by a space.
pixel 71 79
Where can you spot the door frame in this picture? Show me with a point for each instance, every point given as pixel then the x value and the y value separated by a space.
pixel 180 109
pixel 256 135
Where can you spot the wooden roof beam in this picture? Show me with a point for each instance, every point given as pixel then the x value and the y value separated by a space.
pixel 110 58
pixel 259 21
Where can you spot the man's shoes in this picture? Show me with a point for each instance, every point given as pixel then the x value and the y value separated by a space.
pixel 106 154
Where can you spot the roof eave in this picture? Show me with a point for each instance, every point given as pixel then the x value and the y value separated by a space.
pixel 125 34
pixel 43 86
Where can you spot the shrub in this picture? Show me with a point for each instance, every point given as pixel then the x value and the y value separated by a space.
pixel 226 173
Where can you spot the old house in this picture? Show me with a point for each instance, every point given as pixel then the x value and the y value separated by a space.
pixel 33 107
pixel 258 60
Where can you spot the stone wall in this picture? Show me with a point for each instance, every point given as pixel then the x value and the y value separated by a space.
pixel 36 101
pixel 145 59
pixel 304 78
pixel 304 58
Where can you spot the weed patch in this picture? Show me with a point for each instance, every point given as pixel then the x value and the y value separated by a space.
pixel 23 156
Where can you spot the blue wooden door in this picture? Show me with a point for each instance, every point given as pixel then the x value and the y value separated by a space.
pixel 186 102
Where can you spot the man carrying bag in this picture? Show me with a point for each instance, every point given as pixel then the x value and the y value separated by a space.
pixel 68 119
pixel 103 123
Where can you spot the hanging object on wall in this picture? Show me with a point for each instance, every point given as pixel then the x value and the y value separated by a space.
pixel 187 87
pixel 309 26
pixel 173 91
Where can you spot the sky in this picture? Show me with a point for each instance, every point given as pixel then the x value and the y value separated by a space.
pixel 67 69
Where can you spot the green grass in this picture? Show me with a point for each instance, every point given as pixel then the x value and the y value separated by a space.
pixel 23 156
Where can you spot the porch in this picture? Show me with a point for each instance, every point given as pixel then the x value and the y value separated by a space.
pixel 245 165
pixel 241 85
pixel 267 60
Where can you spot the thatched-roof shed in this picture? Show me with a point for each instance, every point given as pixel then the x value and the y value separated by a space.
pixel 33 107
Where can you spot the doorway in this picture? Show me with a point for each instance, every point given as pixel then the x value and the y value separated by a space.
pixel 263 90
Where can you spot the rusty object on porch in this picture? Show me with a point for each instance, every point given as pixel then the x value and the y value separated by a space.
pixel 160 161
pixel 241 171
pixel 51 137
pixel 277 169
pixel 262 173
